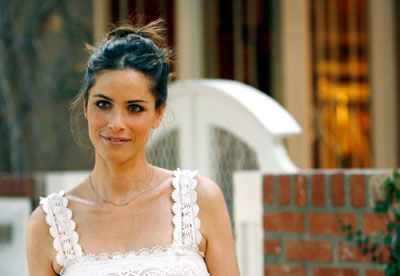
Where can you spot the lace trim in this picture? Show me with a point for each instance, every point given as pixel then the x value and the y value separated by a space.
pixel 140 253
pixel 165 264
pixel 185 209
pixel 62 228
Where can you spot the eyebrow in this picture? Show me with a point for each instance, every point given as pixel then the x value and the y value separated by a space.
pixel 111 100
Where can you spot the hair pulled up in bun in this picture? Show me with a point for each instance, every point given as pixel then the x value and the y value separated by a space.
pixel 142 48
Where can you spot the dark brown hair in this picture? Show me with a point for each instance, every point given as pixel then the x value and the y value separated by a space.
pixel 142 48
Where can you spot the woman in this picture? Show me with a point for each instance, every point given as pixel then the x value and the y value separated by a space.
pixel 129 217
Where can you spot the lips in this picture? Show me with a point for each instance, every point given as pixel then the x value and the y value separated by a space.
pixel 115 140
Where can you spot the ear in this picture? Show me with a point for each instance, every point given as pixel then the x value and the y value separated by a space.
pixel 159 115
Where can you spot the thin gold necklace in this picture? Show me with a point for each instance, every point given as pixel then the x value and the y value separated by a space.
pixel 127 202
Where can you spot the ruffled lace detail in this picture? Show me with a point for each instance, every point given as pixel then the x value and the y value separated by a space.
pixel 62 228
pixel 143 252
pixel 185 209
pixel 174 262
pixel 135 253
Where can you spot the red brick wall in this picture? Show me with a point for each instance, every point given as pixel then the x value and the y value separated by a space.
pixel 16 186
pixel 301 222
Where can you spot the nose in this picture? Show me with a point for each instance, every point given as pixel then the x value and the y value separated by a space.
pixel 116 121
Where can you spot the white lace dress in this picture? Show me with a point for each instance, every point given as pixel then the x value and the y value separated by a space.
pixel 181 258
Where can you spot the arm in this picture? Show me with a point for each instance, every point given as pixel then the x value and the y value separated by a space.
pixel 216 229
pixel 39 247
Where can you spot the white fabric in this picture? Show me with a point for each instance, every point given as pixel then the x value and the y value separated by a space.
pixel 181 258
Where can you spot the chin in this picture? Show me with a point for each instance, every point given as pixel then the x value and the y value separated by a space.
pixel 120 157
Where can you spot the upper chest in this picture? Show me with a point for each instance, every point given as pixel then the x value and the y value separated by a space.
pixel 144 223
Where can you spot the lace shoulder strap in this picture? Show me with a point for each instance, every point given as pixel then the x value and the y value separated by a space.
pixel 186 210
pixel 62 228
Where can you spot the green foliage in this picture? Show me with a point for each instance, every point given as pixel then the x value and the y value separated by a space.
pixel 387 240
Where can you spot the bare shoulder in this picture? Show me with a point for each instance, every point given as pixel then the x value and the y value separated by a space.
pixel 39 242
pixel 216 229
pixel 209 193
pixel 210 200
pixel 37 224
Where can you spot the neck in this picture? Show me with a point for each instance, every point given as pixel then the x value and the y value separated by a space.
pixel 119 182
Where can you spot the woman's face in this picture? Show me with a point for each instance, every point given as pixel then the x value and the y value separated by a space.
pixel 121 113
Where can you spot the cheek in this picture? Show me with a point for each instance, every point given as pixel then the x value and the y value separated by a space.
pixel 140 125
pixel 96 120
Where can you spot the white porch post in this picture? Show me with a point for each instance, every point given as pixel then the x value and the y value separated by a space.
pixel 248 217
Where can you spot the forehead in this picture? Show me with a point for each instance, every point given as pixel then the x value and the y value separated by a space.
pixel 123 84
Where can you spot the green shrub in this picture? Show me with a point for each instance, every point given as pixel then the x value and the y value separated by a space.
pixel 387 240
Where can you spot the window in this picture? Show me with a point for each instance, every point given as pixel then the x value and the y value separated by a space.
pixel 341 92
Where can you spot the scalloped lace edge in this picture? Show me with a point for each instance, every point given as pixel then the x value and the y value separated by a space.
pixel 53 230
pixel 177 234
pixel 141 252
pixel 51 221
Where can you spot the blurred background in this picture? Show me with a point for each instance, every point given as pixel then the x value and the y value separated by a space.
pixel 332 64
